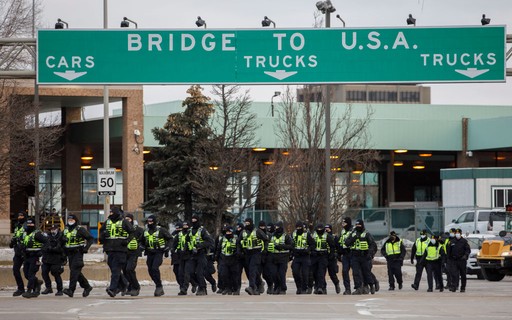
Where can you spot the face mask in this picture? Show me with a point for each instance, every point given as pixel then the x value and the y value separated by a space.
pixel 229 235
pixel 393 239
pixel 300 231
pixel 359 228
pixel 54 232
pixel 71 223
pixel 433 241
pixel 320 231
pixel 151 225
pixel 249 227
pixel 423 237
pixel 195 224
pixel 185 230
pixel 30 229
pixel 279 230
pixel 458 235
pixel 452 234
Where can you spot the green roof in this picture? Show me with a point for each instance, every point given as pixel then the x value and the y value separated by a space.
pixel 393 126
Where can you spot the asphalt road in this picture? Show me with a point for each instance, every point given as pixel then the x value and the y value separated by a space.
pixel 482 300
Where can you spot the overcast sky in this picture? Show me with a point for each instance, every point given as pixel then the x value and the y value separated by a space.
pixel 236 14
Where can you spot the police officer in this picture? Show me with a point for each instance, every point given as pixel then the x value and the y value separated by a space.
pixel 251 243
pixel 394 252
pixel 156 242
pixel 114 234
pixel 198 243
pixel 432 258
pixel 229 264
pixel 17 261
pixel 181 249
pixel 303 244
pixel 324 246
pixel 417 251
pixel 134 252
pixel 279 248
pixel 175 258
pixel 33 241
pixel 447 263
pixel 77 241
pixel 458 252
pixel 344 253
pixel 265 262
pixel 53 260
pixel 332 265
pixel 360 242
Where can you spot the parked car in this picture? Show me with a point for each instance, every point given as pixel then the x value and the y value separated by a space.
pixel 380 222
pixel 475 241
pixel 479 221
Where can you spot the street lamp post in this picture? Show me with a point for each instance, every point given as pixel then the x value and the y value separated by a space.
pixel 276 94
pixel 327 8
pixel 106 125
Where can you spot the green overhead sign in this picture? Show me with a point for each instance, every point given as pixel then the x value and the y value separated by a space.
pixel 271 56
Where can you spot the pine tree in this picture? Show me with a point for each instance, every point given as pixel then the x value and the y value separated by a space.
pixel 175 162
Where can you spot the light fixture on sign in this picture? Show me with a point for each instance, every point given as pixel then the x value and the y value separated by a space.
pixel 259 149
pixel 398 163
pixel 418 167
pixel 401 151
pixel 425 155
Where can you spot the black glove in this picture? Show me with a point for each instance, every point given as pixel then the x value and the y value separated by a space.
pixel 412 260
pixel 464 257
pixel 278 247
pixel 194 251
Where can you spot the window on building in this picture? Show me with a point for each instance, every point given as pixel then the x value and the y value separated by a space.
pixel 356 95
pixel 410 96
pixel 50 189
pixel 501 196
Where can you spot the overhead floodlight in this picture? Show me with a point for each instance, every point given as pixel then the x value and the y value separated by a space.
pixel 485 21
pixel 266 22
pixel 200 22
pixel 339 17
pixel 411 20
pixel 325 6
pixel 126 23
pixel 60 24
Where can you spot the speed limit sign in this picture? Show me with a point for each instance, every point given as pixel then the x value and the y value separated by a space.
pixel 106 182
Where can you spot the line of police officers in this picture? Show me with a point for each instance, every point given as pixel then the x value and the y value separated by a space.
pixel 262 252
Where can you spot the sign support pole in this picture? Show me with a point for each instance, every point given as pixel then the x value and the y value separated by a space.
pixel 106 125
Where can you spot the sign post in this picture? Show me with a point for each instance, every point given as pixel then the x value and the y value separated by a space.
pixel 278 56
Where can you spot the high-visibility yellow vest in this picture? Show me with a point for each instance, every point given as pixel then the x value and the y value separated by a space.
pixel 133 244
pixel 115 230
pixel 72 241
pixel 228 246
pixel 361 245
pixel 275 241
pixel 154 241
pixel 251 241
pixel 421 246
pixel 321 242
pixel 393 247
pixel 343 236
pixel 195 238
pixel 30 242
pixel 433 253
pixel 300 241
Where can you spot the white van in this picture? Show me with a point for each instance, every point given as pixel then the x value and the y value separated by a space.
pixel 479 221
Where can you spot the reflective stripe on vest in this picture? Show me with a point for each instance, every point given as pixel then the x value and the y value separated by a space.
pixel 72 241
pixel 153 241
pixel 433 253
pixel 115 230
pixel 421 246
pixel 182 239
pixel 275 241
pixel 250 240
pixel 30 243
pixel 300 241
pixel 18 232
pixel 321 242
pixel 393 247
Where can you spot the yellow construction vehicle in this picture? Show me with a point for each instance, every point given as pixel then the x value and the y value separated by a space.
pixel 495 256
